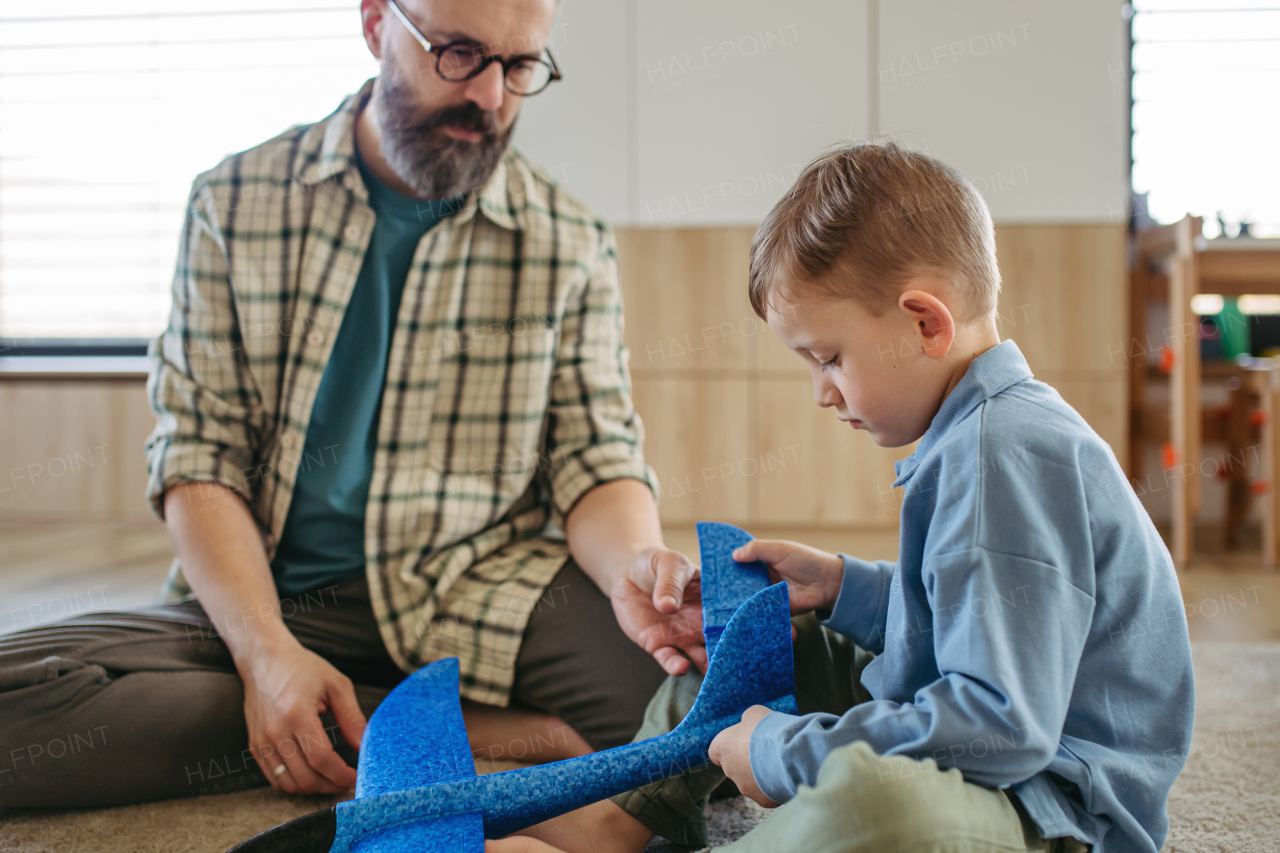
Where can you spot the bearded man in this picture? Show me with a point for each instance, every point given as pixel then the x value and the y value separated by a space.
pixel 393 425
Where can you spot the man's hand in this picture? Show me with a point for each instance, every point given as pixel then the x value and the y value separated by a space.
pixel 731 751
pixel 519 844
pixel 285 691
pixel 615 536
pixel 813 577
pixel 658 602
pixel 286 687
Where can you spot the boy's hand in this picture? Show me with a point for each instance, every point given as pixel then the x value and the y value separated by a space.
pixel 813 577
pixel 731 751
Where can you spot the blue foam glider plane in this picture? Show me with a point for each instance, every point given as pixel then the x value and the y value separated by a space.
pixel 417 787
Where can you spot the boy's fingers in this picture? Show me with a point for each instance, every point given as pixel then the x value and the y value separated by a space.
pixel 768 550
pixel 713 751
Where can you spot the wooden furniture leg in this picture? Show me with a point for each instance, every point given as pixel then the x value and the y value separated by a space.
pixel 1266 383
pixel 1235 467
pixel 1184 381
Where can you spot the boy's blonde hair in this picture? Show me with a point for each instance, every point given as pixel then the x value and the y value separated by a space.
pixel 877 214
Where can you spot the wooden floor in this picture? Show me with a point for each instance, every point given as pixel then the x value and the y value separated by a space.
pixel 50 570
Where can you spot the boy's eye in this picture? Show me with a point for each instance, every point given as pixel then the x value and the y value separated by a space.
pixel 831 363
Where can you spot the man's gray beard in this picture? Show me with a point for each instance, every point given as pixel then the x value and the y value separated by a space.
pixel 422 155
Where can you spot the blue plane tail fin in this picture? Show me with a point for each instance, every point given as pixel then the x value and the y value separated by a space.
pixel 726 583
pixel 416 738
pixel 753 664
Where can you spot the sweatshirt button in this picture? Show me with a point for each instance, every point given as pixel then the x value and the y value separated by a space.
pixel 315 338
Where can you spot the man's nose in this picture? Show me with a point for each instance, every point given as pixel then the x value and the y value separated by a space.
pixel 486 89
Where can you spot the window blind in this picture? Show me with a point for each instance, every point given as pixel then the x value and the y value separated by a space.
pixel 107 113
pixel 1205 122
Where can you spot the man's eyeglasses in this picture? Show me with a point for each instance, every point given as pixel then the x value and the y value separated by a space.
pixel 459 61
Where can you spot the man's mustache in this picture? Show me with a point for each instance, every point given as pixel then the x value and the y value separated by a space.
pixel 467 117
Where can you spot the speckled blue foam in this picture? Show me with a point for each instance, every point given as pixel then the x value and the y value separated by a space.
pixel 422 795
pixel 726 583
pixel 417 737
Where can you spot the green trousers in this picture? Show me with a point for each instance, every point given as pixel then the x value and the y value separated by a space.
pixel 861 802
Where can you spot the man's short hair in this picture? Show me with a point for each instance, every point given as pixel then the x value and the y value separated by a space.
pixel 876 214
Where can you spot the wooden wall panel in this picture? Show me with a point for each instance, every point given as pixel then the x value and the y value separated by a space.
pixel 73 449
pixel 685 299
pixel 816 470
pixel 1063 296
pixel 696 438
pixel 731 426
pixel 1063 301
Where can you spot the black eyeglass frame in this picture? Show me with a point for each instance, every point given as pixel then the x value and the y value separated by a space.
pixel 488 59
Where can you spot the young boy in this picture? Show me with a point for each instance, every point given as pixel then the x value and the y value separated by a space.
pixel 1021 678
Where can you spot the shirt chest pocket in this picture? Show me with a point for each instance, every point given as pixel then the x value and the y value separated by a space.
pixel 491 403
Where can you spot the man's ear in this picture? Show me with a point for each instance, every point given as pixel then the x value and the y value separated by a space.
pixel 935 328
pixel 372 13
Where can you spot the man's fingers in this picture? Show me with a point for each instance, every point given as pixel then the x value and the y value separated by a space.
pixel 284 782
pixel 265 755
pixel 519 844
pixel 672 661
pixel 347 713
pixel 322 758
pixel 684 629
pixel 698 655
pixel 672 573
pixel 270 760
pixel 295 759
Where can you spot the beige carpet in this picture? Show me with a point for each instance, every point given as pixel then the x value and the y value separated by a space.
pixel 1228 797
pixel 1227 800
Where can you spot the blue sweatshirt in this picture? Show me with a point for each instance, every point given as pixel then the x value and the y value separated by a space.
pixel 1032 633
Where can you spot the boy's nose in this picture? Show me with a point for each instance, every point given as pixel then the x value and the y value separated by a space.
pixel 825 393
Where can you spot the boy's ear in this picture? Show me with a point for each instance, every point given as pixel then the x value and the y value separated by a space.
pixel 934 326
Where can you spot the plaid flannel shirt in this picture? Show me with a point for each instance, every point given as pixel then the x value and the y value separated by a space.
pixel 507 395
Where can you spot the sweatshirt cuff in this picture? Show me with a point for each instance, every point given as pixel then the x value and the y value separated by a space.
pixel 860 600
pixel 768 766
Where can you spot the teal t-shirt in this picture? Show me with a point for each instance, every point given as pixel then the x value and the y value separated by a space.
pixel 323 537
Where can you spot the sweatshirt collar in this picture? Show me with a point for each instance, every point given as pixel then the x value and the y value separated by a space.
pixel 990 373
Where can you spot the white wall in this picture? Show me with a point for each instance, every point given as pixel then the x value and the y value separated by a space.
pixel 701 112
pixel 1028 100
